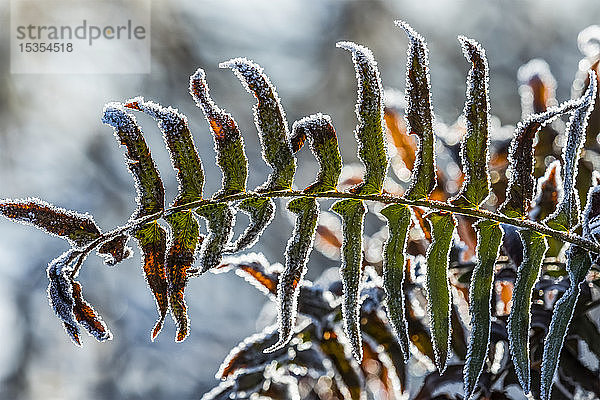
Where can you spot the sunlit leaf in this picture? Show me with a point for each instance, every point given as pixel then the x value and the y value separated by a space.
pixel 220 219
pixel 438 286
pixel 115 250
pixel 179 141
pixel 322 138
pixel 398 217
pixel 255 269
pixel 152 239
pixel 566 214
pixel 150 190
pixel 270 121
pixel 180 258
pixel 474 149
pixel 352 213
pixel 87 317
pixel 489 239
pixel 534 249
pixel 229 144
pixel 79 229
pixel 578 264
pixel 296 256
pixel 261 212
pixel 419 114
pixel 371 125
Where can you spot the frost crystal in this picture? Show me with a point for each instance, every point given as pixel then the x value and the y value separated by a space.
pixel 270 121
pixel 60 293
pixel 371 124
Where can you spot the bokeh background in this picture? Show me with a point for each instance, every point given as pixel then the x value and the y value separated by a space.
pixel 53 146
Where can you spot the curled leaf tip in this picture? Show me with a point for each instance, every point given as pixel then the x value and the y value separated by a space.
pixel 169 118
pixel 115 114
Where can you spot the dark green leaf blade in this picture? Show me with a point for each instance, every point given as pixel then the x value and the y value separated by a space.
pixel 270 121
pixel 152 239
pixel 521 159
pixel 419 114
pixel 179 141
pixel 371 125
pixel 578 264
pixel 398 219
pixel 438 286
pixel 296 256
pixel 352 213
pixel 534 248
pixel 149 187
pixel 220 219
pixel 474 148
pixel 79 229
pixel 229 144
pixel 322 138
pixel 566 215
pixel 261 211
pixel 180 258
pixel 489 239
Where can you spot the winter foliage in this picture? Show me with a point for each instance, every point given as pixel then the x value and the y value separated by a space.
pixel 371 314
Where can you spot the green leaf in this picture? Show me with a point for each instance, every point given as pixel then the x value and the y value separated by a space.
pixel 180 258
pixel 371 125
pixel 474 148
pixel 271 124
pixel 398 220
pixel 220 219
pixel 150 191
pixel 437 284
pixel 229 144
pixel 152 239
pixel 179 141
pixel 578 264
pixel 521 183
pixel 534 248
pixel 261 211
pixel 320 132
pixel 296 256
pixel 489 239
pixel 566 215
pixel 79 229
pixel 419 114
pixel 352 213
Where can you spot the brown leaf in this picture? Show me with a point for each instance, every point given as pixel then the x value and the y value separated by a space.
pixel 115 250
pixel 87 317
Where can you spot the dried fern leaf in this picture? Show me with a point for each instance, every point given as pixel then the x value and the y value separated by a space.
pixel 489 239
pixel 371 124
pixel 352 213
pixel 347 370
pixel 229 143
pixel 521 159
pixel 419 114
pixel 296 256
pixel 220 219
pixel 152 239
pixel 115 250
pixel 439 298
pixel 255 269
pixel 150 190
pixel 180 258
pixel 566 215
pixel 270 121
pixel 179 141
pixel 474 147
pixel 534 249
pixel 322 138
pixel 87 317
pixel 79 229
pixel 261 211
pixel 398 219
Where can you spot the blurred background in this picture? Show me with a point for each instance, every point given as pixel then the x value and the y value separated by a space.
pixel 54 146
